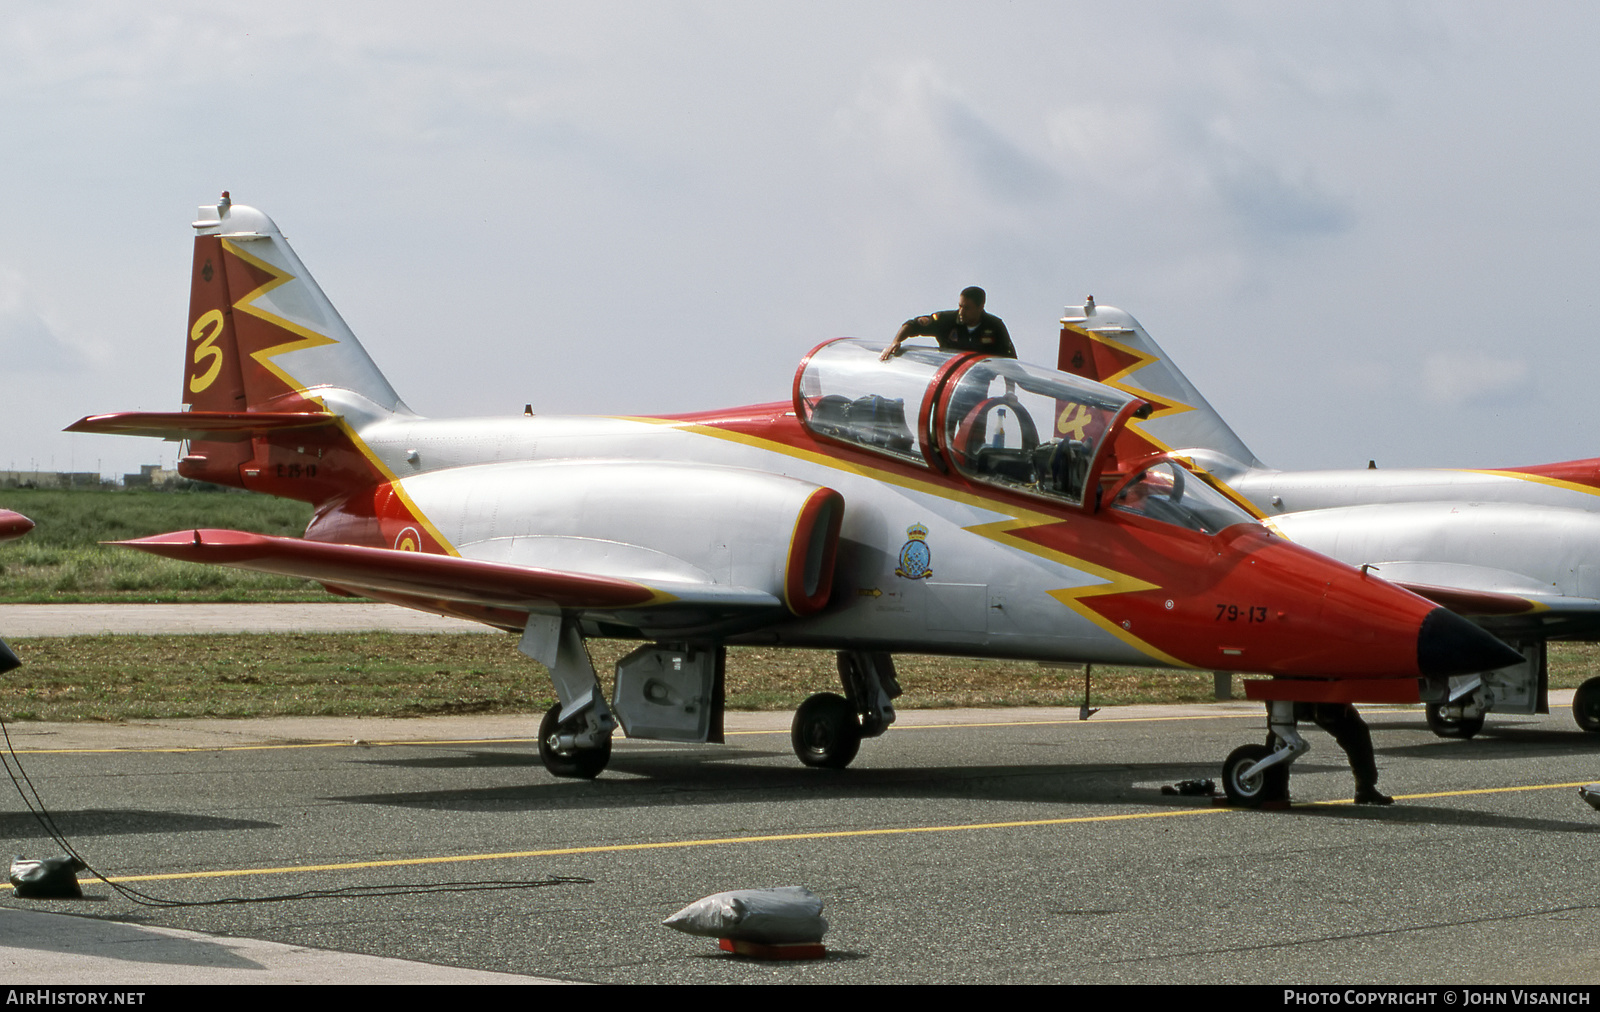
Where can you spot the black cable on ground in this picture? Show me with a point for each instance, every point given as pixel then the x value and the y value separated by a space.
pixel 36 806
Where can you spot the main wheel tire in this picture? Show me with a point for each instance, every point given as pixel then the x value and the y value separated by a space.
pixel 1586 705
pixel 1272 785
pixel 575 763
pixel 1446 727
pixel 826 732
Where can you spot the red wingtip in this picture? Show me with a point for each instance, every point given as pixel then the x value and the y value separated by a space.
pixel 192 536
pixel 13 525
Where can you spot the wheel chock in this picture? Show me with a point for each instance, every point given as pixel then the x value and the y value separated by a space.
pixel 786 950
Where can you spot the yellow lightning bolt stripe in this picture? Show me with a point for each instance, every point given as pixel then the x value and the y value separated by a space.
pixel 1142 359
pixel 396 483
pixel 246 303
pixel 1000 531
pixel 1570 486
pixel 311 339
pixel 1222 488
pixel 1074 597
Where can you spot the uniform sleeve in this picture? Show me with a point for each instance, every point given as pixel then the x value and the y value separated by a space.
pixel 923 326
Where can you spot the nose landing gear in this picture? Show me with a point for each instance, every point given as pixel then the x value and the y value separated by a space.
pixel 1255 775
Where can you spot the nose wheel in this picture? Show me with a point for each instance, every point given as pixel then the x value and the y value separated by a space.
pixel 1256 775
pixel 1253 791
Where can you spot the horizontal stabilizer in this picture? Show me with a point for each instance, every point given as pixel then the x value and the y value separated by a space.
pixel 216 426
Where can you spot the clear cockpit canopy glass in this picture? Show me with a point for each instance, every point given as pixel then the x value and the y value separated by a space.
pixel 1018 426
pixel 1166 491
pixel 1003 423
pixel 848 394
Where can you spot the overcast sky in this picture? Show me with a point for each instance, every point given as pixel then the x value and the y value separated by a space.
pixel 1365 230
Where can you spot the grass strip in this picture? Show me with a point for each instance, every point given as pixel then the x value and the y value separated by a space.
pixel 117 678
pixel 62 560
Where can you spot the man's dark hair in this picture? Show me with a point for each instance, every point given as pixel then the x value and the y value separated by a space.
pixel 974 294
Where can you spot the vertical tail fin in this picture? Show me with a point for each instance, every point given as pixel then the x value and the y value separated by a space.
pixel 262 335
pixel 1106 344
pixel 263 338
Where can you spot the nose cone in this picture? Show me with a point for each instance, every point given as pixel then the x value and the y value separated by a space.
pixel 13 525
pixel 1450 645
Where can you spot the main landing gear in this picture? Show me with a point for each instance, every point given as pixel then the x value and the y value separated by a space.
pixel 575 734
pixel 826 732
pixel 562 755
pixel 1586 705
pixel 1454 721
pixel 1255 775
pixel 674 693
pixel 828 727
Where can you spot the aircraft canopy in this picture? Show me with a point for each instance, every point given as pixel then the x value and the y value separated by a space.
pixel 994 420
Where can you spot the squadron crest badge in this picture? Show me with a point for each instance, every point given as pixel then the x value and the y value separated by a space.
pixel 916 559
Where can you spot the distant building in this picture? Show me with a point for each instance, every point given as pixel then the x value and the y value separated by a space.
pixel 49 479
pixel 151 476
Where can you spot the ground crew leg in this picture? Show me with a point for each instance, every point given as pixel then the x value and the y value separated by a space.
pixel 1344 722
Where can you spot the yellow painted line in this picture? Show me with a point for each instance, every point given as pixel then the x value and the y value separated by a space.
pixel 1041 723
pixel 1462 794
pixel 619 848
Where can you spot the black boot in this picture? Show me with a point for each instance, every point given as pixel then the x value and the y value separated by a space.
pixel 1368 794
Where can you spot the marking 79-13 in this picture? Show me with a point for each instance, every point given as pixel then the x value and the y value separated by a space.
pixel 1236 613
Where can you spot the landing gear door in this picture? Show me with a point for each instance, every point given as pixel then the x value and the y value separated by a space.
pixel 671 693
pixel 1521 688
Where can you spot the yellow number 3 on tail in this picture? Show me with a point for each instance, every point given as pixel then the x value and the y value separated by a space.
pixel 206 330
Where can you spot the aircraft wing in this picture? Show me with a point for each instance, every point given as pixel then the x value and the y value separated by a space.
pixel 452 583
pixel 216 426
pixel 1502 601
pixel 13 525
pixel 1550 615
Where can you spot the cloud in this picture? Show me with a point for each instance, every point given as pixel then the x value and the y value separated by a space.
pixel 28 344
pixel 1002 167
pixel 1451 378
pixel 928 133
pixel 1269 202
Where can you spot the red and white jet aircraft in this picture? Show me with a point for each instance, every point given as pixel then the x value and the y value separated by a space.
pixel 1515 549
pixel 937 503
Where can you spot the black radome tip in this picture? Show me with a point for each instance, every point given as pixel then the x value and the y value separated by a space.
pixel 1450 645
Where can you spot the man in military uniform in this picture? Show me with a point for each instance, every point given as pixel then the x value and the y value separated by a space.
pixel 966 328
